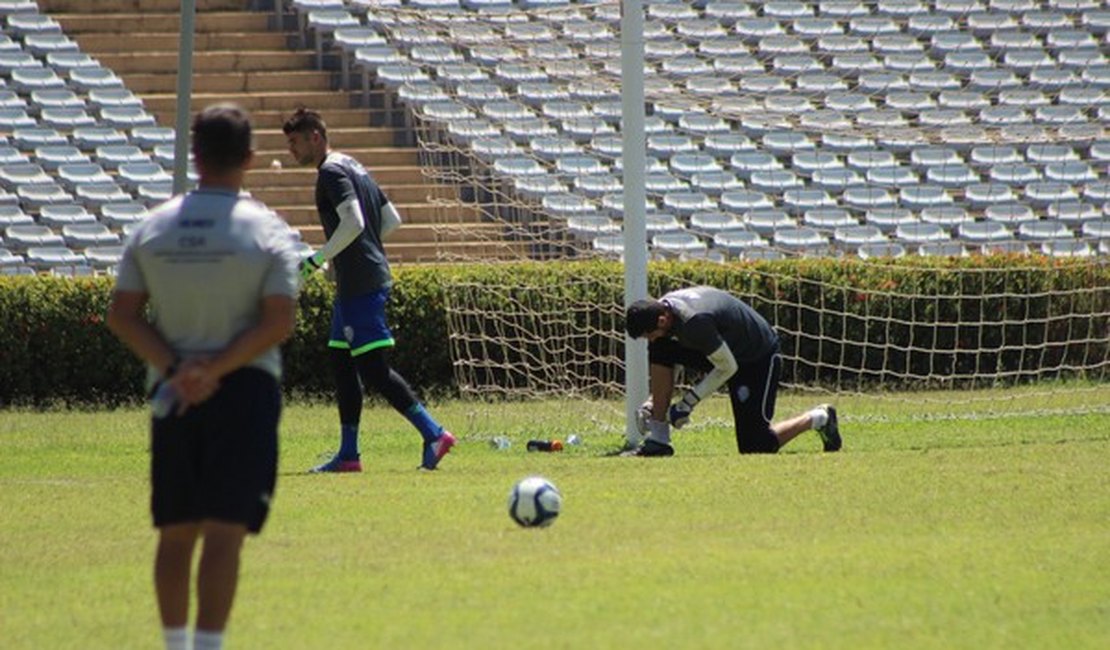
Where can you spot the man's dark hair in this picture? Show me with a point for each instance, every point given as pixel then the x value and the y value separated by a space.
pixel 304 120
pixel 222 137
pixel 642 317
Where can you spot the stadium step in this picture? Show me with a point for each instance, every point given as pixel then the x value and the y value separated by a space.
pixel 325 100
pixel 246 57
pixel 373 157
pixel 285 195
pixel 301 177
pixel 303 215
pixel 202 42
pixel 217 82
pixel 124 63
pixel 104 21
pixel 123 6
pixel 273 119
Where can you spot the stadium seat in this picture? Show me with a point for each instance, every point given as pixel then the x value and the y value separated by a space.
pixel 942 249
pixel 868 198
pixel 1046 192
pixel 15 118
pixel 82 236
pixel 828 219
pixel 48 258
pixel 59 216
pixel 586 228
pixel 103 257
pixel 20 238
pixel 147 137
pixel 88 79
pixel 766 221
pixel 1067 248
pixel 708 224
pixel 112 97
pixel 132 174
pixel 13 215
pixel 888 220
pixel 21 174
pixel 111 157
pixel 149 193
pixel 49 98
pixel 118 215
pixel 715 183
pixel 125 117
pixel 597 185
pixel 90 138
pixel 1045 230
pixel 983 232
pixel 737 242
pixel 70 175
pixel 672 245
pixel 1074 214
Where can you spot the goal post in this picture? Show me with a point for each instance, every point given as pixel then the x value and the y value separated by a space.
pixel 535 141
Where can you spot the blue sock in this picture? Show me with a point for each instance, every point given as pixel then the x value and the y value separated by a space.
pixel 348 441
pixel 429 428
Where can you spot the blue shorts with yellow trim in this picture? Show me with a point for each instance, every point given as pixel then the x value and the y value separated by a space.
pixel 358 323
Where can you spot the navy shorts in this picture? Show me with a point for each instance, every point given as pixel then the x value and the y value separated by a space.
pixel 752 391
pixel 358 323
pixel 219 460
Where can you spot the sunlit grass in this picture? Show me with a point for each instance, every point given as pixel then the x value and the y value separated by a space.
pixel 954 533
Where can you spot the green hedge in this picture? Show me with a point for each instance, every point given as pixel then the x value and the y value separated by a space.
pixel 852 322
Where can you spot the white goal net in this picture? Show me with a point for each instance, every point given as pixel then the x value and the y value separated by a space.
pixel 952 154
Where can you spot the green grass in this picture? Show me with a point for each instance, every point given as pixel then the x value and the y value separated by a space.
pixel 969 533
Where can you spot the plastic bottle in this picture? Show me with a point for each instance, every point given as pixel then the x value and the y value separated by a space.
pixel 545 445
pixel 574 439
pixel 500 442
pixel 163 401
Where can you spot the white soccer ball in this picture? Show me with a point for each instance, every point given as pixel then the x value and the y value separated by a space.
pixel 535 501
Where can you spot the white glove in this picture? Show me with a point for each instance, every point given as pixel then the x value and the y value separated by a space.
pixel 679 414
pixel 643 417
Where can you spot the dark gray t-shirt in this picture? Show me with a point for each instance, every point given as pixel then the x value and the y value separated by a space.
pixel 707 317
pixel 206 260
pixel 361 267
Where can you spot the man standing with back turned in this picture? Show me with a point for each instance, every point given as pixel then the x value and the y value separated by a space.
pixel 220 274
pixel 715 332
pixel 357 217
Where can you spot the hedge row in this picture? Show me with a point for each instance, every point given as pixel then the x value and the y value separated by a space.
pixel 846 321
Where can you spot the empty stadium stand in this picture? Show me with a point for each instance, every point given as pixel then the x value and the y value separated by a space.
pixel 831 127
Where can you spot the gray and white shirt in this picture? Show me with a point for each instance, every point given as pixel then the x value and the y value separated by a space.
pixel 206 260
pixel 708 317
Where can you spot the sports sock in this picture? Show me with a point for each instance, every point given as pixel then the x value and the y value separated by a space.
pixel 348 441
pixel 176 638
pixel 428 428
pixel 659 432
pixel 204 640
pixel 819 416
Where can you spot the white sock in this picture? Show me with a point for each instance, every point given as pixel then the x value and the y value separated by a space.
pixel 819 416
pixel 203 640
pixel 659 432
pixel 176 638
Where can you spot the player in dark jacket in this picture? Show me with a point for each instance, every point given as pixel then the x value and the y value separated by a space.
pixel 715 332
pixel 357 217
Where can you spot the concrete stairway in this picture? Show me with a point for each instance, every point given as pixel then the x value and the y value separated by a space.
pixel 241 56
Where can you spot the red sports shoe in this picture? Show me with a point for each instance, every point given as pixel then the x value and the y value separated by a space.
pixel 435 451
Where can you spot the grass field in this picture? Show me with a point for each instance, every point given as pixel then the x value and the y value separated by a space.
pixel 981 533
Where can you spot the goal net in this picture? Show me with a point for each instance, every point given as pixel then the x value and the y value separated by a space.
pixel 955 159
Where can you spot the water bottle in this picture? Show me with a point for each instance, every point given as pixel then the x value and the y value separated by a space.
pixel 163 401
pixel 545 445
pixel 500 443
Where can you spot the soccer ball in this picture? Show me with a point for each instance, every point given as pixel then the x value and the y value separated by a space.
pixel 534 501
